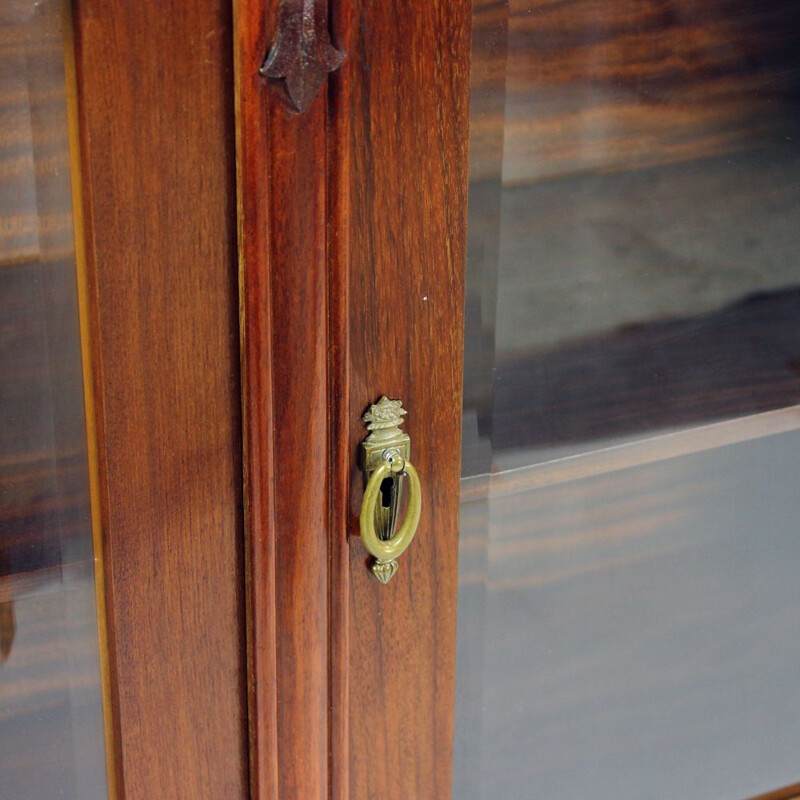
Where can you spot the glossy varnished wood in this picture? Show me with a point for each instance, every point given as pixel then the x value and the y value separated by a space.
pixel 340 189
pixel 352 246
pixel 157 146
pixel 282 174
pixel 402 126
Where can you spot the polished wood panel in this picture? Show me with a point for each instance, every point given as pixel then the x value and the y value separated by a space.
pixel 402 126
pixel 157 145
pixel 340 188
pixel 394 235
pixel 282 176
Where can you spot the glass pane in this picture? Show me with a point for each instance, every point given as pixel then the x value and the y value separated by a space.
pixel 51 722
pixel 631 402
pixel 639 633
pixel 634 204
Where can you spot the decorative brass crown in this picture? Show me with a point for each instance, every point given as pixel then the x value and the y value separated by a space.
pixel 385 414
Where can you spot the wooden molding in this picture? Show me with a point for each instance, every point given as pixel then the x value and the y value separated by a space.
pixel 351 239
pixel 156 123
pixel 282 168
pixel 402 125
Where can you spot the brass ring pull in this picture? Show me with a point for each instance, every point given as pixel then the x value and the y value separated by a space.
pixel 386 466
pixel 387 551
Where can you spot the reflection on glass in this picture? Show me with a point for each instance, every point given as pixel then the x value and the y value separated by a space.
pixel 632 381
pixel 51 725
pixel 639 632
pixel 635 193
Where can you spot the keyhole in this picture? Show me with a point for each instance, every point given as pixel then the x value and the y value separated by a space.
pixel 387 484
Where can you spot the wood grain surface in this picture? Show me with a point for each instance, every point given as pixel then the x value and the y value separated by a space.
pixel 351 241
pixel 401 125
pixel 157 145
pixel 282 174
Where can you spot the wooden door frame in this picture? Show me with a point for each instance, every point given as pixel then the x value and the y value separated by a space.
pixel 351 220
pixel 351 244
pixel 155 141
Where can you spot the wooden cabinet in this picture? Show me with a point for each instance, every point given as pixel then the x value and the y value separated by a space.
pixel 576 223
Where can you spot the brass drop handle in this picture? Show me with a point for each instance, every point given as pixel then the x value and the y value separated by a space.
pixel 386 452
pixel 387 551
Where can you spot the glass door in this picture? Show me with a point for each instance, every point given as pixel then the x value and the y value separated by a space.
pixel 629 609
pixel 51 718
